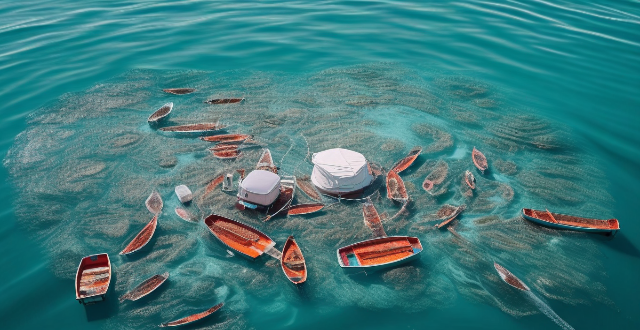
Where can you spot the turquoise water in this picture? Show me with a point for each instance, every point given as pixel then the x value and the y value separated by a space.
pixel 80 78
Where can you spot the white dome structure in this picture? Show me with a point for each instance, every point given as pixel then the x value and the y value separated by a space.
pixel 340 171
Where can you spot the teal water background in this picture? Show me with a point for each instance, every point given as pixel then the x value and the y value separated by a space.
pixel 574 63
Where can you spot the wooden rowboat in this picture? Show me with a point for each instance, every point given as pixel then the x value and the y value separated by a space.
pixel 227 154
pixel 266 162
pixel 379 253
pixel 146 287
pixel 226 138
pixel 282 203
pixel 213 184
pixel 395 188
pixel 449 213
pixel 372 219
pixel 185 215
pixel 143 237
pixel 224 101
pixel 479 160
pixel 304 208
pixel 161 113
pixel 562 221
pixel 292 262
pixel 179 91
pixel 93 278
pixel 238 236
pixel 193 318
pixel 195 128
pixel 509 278
pixel 308 188
pixel 154 203
pixel 470 179
pixel 225 147
pixel 404 163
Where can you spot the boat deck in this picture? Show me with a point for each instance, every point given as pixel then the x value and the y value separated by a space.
pixel 241 239
pixel 94 281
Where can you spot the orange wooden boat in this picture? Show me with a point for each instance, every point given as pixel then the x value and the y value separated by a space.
pixel 379 253
pixel 145 288
pixel 185 215
pixel 308 188
pixel 563 221
pixel 282 203
pixel 154 203
pixel 407 160
pixel 266 162
pixel 450 214
pixel 395 188
pixel 304 208
pixel 193 318
pixel 227 154
pixel 470 179
pixel 509 278
pixel 143 237
pixel 226 138
pixel 372 219
pixel 292 262
pixel 224 101
pixel 195 128
pixel 179 91
pixel 479 160
pixel 238 236
pixel 213 184
pixel 93 278
pixel 225 147
pixel 161 113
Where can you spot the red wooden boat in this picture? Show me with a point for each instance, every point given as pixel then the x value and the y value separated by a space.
pixel 292 262
pixel 143 237
pixel 395 188
pixel 266 162
pixel 563 221
pixel 146 287
pixel 225 147
pixel 304 208
pixel 193 318
pixel 372 219
pixel 407 160
pixel 378 253
pixel 449 214
pixel 185 215
pixel 282 203
pixel 93 278
pixel 161 113
pixel 227 154
pixel 308 188
pixel 226 138
pixel 470 179
pixel 194 128
pixel 238 236
pixel 213 184
pixel 479 160
pixel 179 91
pixel 509 278
pixel 225 101
pixel 154 203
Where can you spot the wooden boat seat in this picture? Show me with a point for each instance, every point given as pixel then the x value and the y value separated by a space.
pixel 295 264
pixel 386 252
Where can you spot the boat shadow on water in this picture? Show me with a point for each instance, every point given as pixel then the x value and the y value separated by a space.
pixel 104 309
pixel 620 243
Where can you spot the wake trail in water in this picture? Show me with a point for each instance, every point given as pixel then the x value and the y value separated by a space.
pixel 544 308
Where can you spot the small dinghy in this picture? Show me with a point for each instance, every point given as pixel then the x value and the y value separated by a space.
pixel 372 219
pixel 479 160
pixel 225 101
pixel 395 188
pixel 161 113
pixel 226 138
pixel 185 215
pixel 143 237
pixel 563 221
pixel 509 278
pixel 154 203
pixel 195 128
pixel 225 147
pixel 238 236
pixel 292 262
pixel 93 278
pixel 266 162
pixel 213 184
pixel 449 213
pixel 179 91
pixel 308 188
pixel 304 208
pixel 379 253
pixel 404 163
pixel 227 154
pixel 146 287
pixel 193 318
pixel 470 179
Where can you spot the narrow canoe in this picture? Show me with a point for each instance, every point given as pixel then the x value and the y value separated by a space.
pixel 470 179
pixel 395 188
pixel 143 237
pixel 451 214
pixel 479 160
pixel 266 162
pixel 193 318
pixel 562 221
pixel 154 203
pixel 509 278
pixel 227 154
pixel 179 91
pixel 404 163
pixel 238 236
pixel 225 101
pixel 282 203
pixel 225 147
pixel 292 262
pixel 93 278
pixel 146 287
pixel 161 113
pixel 226 138
pixel 185 215
pixel 213 184
pixel 194 128
pixel 372 219
pixel 308 188
pixel 379 253
pixel 304 208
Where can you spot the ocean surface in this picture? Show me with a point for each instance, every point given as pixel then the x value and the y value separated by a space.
pixel 547 90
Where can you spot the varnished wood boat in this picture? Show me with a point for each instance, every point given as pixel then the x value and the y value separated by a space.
pixel 226 138
pixel 304 208
pixel 92 278
pixel 179 91
pixel 449 214
pixel 161 113
pixel 308 188
pixel 395 188
pixel 509 278
pixel 238 236
pixel 292 262
pixel 193 318
pixel 143 237
pixel 145 288
pixel 185 215
pixel 379 253
pixel 154 203
pixel 470 179
pixel 479 160
pixel 404 163
pixel 195 128
pixel 227 154
pixel 282 203
pixel 266 162
pixel 562 221
pixel 225 101
pixel 372 219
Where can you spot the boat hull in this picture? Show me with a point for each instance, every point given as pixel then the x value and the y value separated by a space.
pixel 568 227
pixel 93 278
pixel 235 237
pixel 381 266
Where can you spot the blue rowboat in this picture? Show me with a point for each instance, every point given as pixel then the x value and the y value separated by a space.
pixel 379 253
pixel 569 222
